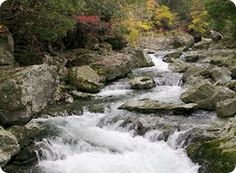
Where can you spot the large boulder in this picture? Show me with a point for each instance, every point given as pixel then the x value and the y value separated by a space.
pixel 166 41
pixel 154 106
pixel 183 40
pixel 6 47
pixel 85 79
pixel 206 95
pixel 112 66
pixel 140 58
pixel 142 83
pixel 221 75
pixel 25 91
pixel 8 146
pixel 226 108
pixel 195 74
pixel 217 153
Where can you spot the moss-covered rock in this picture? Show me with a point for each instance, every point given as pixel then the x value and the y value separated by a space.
pixel 216 154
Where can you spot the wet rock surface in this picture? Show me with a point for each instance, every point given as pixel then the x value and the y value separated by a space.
pixel 152 106
pixel 142 83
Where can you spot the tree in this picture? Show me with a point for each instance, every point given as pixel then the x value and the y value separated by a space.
pixel 223 14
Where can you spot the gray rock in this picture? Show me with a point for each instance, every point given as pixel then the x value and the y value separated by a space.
pixel 25 134
pixel 153 106
pixel 226 108
pixel 167 41
pixel 179 66
pixel 85 79
pixel 142 83
pixel 206 95
pixel 233 71
pixel 193 71
pixel 221 75
pixel 174 54
pixel 216 36
pixel 8 146
pixel 140 58
pixel 232 85
pixel 113 66
pixel 24 92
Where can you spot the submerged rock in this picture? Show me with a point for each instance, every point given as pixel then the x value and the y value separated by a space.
pixel 8 146
pixel 226 108
pixel 24 92
pixel 85 79
pixel 142 83
pixel 153 106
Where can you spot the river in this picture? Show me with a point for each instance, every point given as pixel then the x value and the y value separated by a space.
pixel 109 141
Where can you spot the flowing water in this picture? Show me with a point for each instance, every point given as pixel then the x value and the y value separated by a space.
pixel 110 142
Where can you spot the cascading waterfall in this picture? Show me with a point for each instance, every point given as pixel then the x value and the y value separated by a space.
pixel 90 143
pixel 84 147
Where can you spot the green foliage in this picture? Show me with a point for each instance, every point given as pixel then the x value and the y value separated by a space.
pixel 199 17
pixel 41 20
pixel 223 14
pixel 163 17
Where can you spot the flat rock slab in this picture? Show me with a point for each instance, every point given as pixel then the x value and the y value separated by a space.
pixel 154 106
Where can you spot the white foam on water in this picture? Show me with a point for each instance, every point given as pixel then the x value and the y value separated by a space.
pixel 117 92
pixel 1 171
pixel 104 150
pixel 234 171
pixel 159 63
pixel 115 89
pixel 164 93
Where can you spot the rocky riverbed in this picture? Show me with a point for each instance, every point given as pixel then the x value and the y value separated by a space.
pixel 172 110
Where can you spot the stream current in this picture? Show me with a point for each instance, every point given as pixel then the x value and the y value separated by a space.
pixel 110 142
